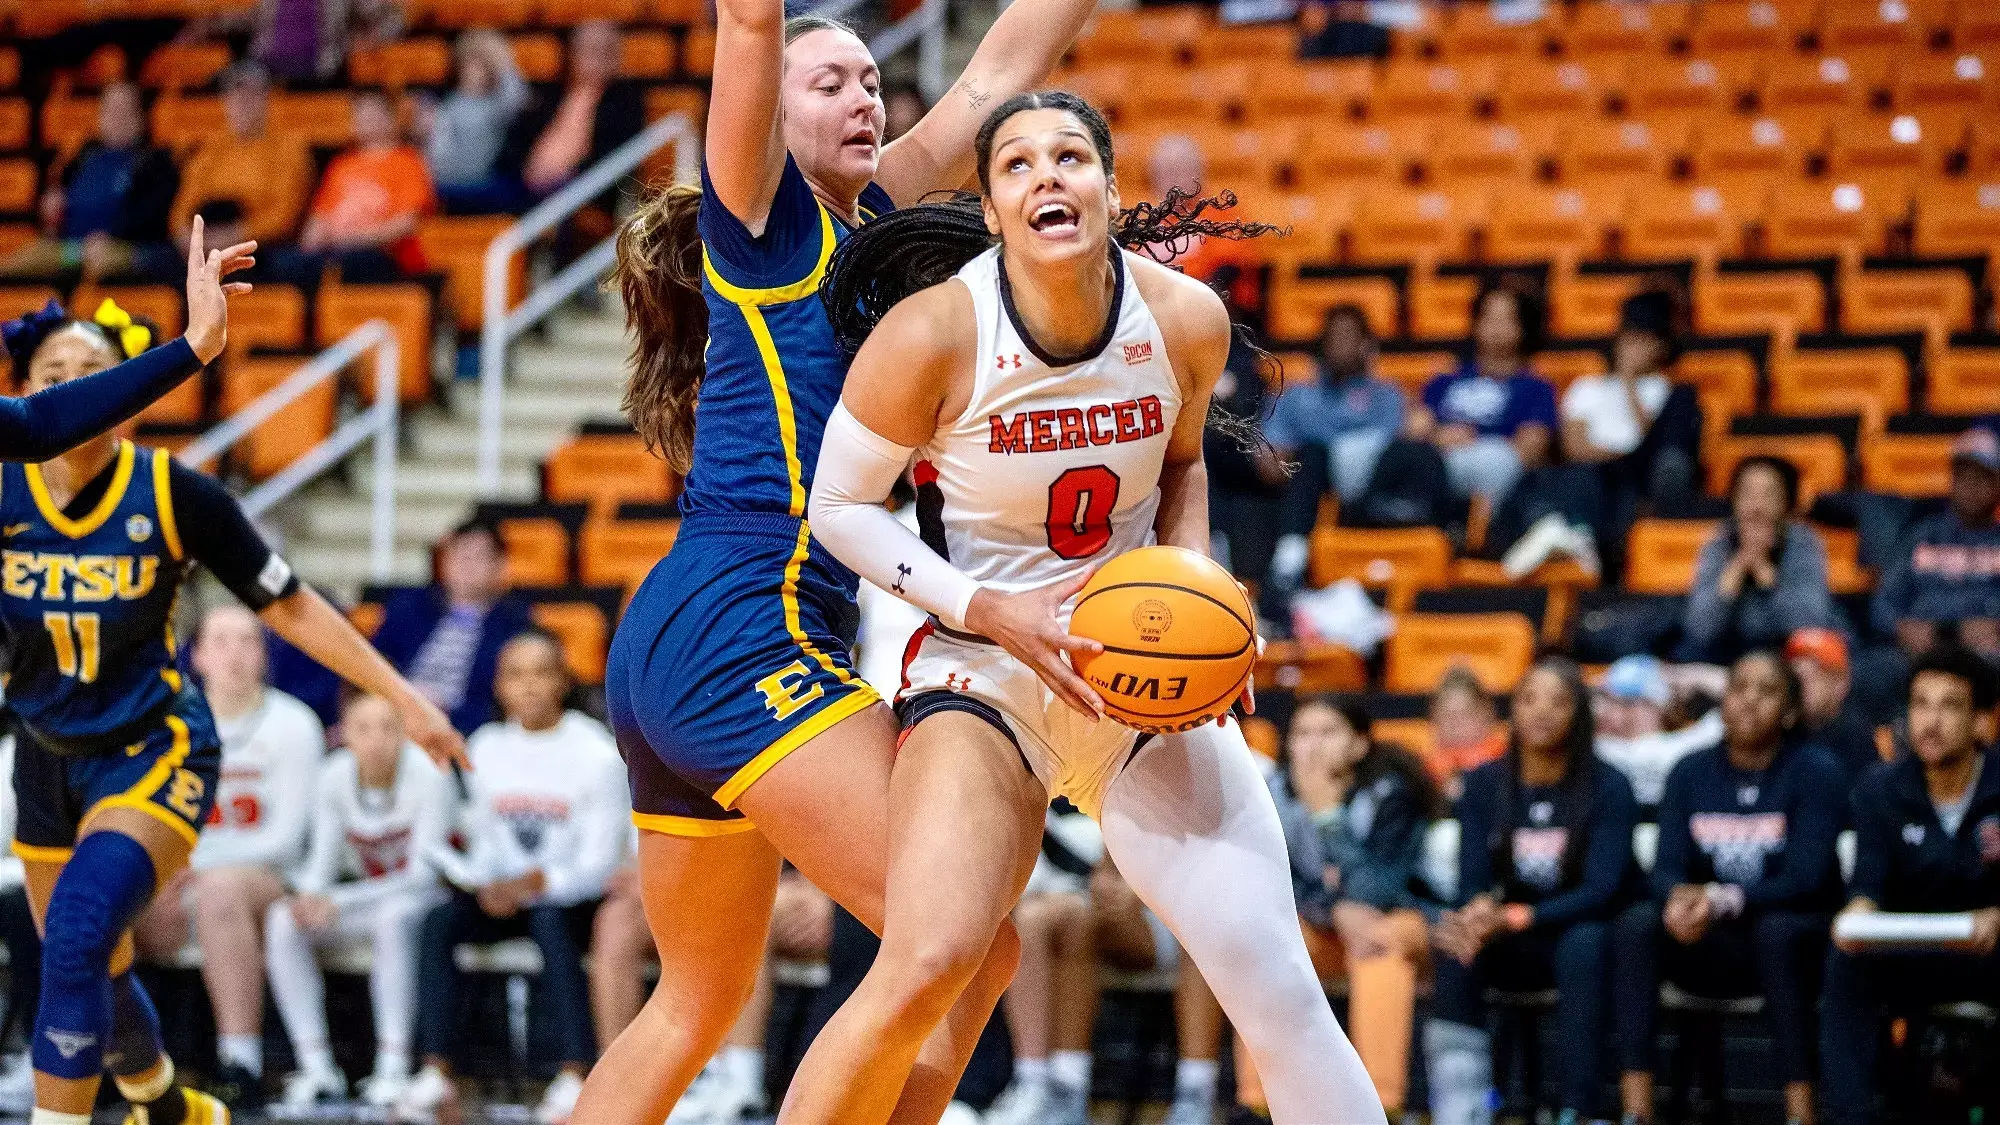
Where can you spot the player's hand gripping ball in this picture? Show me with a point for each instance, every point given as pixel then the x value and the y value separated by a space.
pixel 1179 637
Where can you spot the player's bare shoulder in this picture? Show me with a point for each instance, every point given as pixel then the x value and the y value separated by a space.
pixel 1193 320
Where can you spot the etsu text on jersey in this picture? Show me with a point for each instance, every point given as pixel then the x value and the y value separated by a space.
pixel 1045 431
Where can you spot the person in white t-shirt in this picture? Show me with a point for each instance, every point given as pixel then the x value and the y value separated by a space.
pixel 380 813
pixel 549 822
pixel 272 746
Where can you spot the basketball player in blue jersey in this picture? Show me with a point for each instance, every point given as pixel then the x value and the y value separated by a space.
pixel 746 731
pixel 42 425
pixel 117 765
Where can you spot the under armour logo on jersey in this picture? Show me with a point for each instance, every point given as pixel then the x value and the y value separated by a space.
pixel 70 1043
pixel 956 682
pixel 1007 362
pixel 902 572
pixel 1913 835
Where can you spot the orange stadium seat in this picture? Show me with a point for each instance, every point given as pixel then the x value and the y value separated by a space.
pixel 13 236
pixel 568 13
pixel 1904 26
pixel 19 300
pixel 1311 668
pixel 1977 25
pixel 537 551
pixel 1246 159
pixel 1497 647
pixel 184 65
pixel 1298 305
pixel 10 68
pixel 662 101
pixel 1428 91
pixel 1313 90
pixel 1536 223
pixel 1565 366
pixel 1475 32
pixel 1907 464
pixel 579 628
pixel 15 121
pixel 1820 459
pixel 1660 554
pixel 1155 36
pixel 410 62
pixel 539 55
pixel 1622 152
pixel 1900 300
pixel 1311 221
pixel 1374 155
pixel 1542 87
pixel 341 309
pixel 1982 149
pixel 1736 147
pixel 481 13
pixel 1824 381
pixel 1829 83
pixel 1844 572
pixel 1414 735
pixel 67 123
pixel 1401 225
pixel 1412 370
pixel 1267 44
pixel 1441 307
pixel 325 118
pixel 605 470
pixel 1724 380
pixel 273 316
pixel 1957 218
pixel 181 123
pixel 457 246
pixel 1965 380
pixel 1676 223
pixel 1412 558
pixel 1748 304
pixel 1485 152
pixel 1288 369
pixel 1811 220
pixel 1702 86
pixel 283 438
pixel 1893 153
pixel 1586 305
pixel 649 55
pixel 1759 27
pixel 1182 96
pixel 622 552
pixel 679 13
pixel 698 53
pixel 1956 82
pixel 19 178
pixel 160 304
pixel 1617 29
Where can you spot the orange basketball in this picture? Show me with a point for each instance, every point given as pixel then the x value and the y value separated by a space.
pixel 1179 638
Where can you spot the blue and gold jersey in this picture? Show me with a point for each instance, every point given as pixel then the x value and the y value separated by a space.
pixel 773 371
pixel 87 602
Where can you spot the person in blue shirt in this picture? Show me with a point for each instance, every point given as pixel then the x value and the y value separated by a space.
pixel 104 211
pixel 1744 884
pixel 1544 860
pixel 1493 418
pixel 447 637
pixel 1927 830
pixel 730 683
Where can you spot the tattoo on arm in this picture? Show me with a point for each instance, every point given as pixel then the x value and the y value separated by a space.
pixel 975 95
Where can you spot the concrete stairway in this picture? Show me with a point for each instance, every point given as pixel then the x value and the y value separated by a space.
pixel 574 375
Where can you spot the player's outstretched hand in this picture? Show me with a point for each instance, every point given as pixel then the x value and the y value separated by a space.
pixel 1025 624
pixel 208 294
pixel 433 733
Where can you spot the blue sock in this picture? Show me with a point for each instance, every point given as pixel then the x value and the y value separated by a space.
pixel 136 1044
pixel 103 887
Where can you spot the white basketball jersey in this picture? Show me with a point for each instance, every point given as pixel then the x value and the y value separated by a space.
pixel 378 828
pixel 1054 466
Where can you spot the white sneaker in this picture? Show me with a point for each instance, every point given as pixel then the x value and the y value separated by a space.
pixel 559 1099
pixel 1550 534
pixel 1020 1104
pixel 1191 1110
pixel 958 1113
pixel 734 1100
pixel 426 1093
pixel 309 1087
pixel 694 1108
pixel 17 1084
pixel 384 1089
pixel 1068 1105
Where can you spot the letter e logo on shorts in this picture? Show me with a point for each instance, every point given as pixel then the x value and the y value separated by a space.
pixel 784 691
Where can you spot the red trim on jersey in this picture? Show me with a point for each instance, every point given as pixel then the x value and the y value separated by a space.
pixel 924 473
pixel 910 651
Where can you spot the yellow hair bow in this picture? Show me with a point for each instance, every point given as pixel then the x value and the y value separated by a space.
pixel 133 338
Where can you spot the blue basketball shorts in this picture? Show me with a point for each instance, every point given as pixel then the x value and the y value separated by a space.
pixel 733 653
pixel 170 775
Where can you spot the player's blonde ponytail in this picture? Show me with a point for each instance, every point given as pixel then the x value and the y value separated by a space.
pixel 659 276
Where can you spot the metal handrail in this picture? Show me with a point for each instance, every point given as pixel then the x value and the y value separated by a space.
pixel 501 326
pixel 379 422
pixel 925 28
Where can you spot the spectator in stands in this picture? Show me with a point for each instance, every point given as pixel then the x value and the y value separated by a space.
pixel 1052 1004
pixel 1828 714
pixel 1631 706
pixel 905 107
pixel 1465 729
pixel 272 746
pixel 1544 860
pixel 1176 163
pixel 446 638
pixel 1949 569
pixel 1762 576
pixel 598 111
pixel 364 216
pixel 24 946
pixel 261 179
pixel 380 813
pixel 1247 481
pixel 104 212
pixel 305 41
pixel 1928 841
pixel 468 128
pixel 1744 885
pixel 1355 813
pixel 548 825
pixel 1493 418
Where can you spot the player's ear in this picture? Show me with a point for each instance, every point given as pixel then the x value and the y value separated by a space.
pixel 1985 727
pixel 1111 196
pixel 991 214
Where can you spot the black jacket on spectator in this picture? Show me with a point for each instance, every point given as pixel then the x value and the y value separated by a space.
pixel 1375 845
pixel 1946 571
pixel 143 216
pixel 1771 833
pixel 621 114
pixel 1851 740
pixel 407 622
pixel 1903 859
pixel 1563 877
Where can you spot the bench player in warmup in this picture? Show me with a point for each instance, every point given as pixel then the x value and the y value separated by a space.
pixel 1053 390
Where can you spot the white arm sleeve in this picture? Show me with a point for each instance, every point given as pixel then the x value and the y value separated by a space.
pixel 857 468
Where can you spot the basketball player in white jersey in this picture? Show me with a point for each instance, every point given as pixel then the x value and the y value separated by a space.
pixel 380 809
pixel 1053 395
